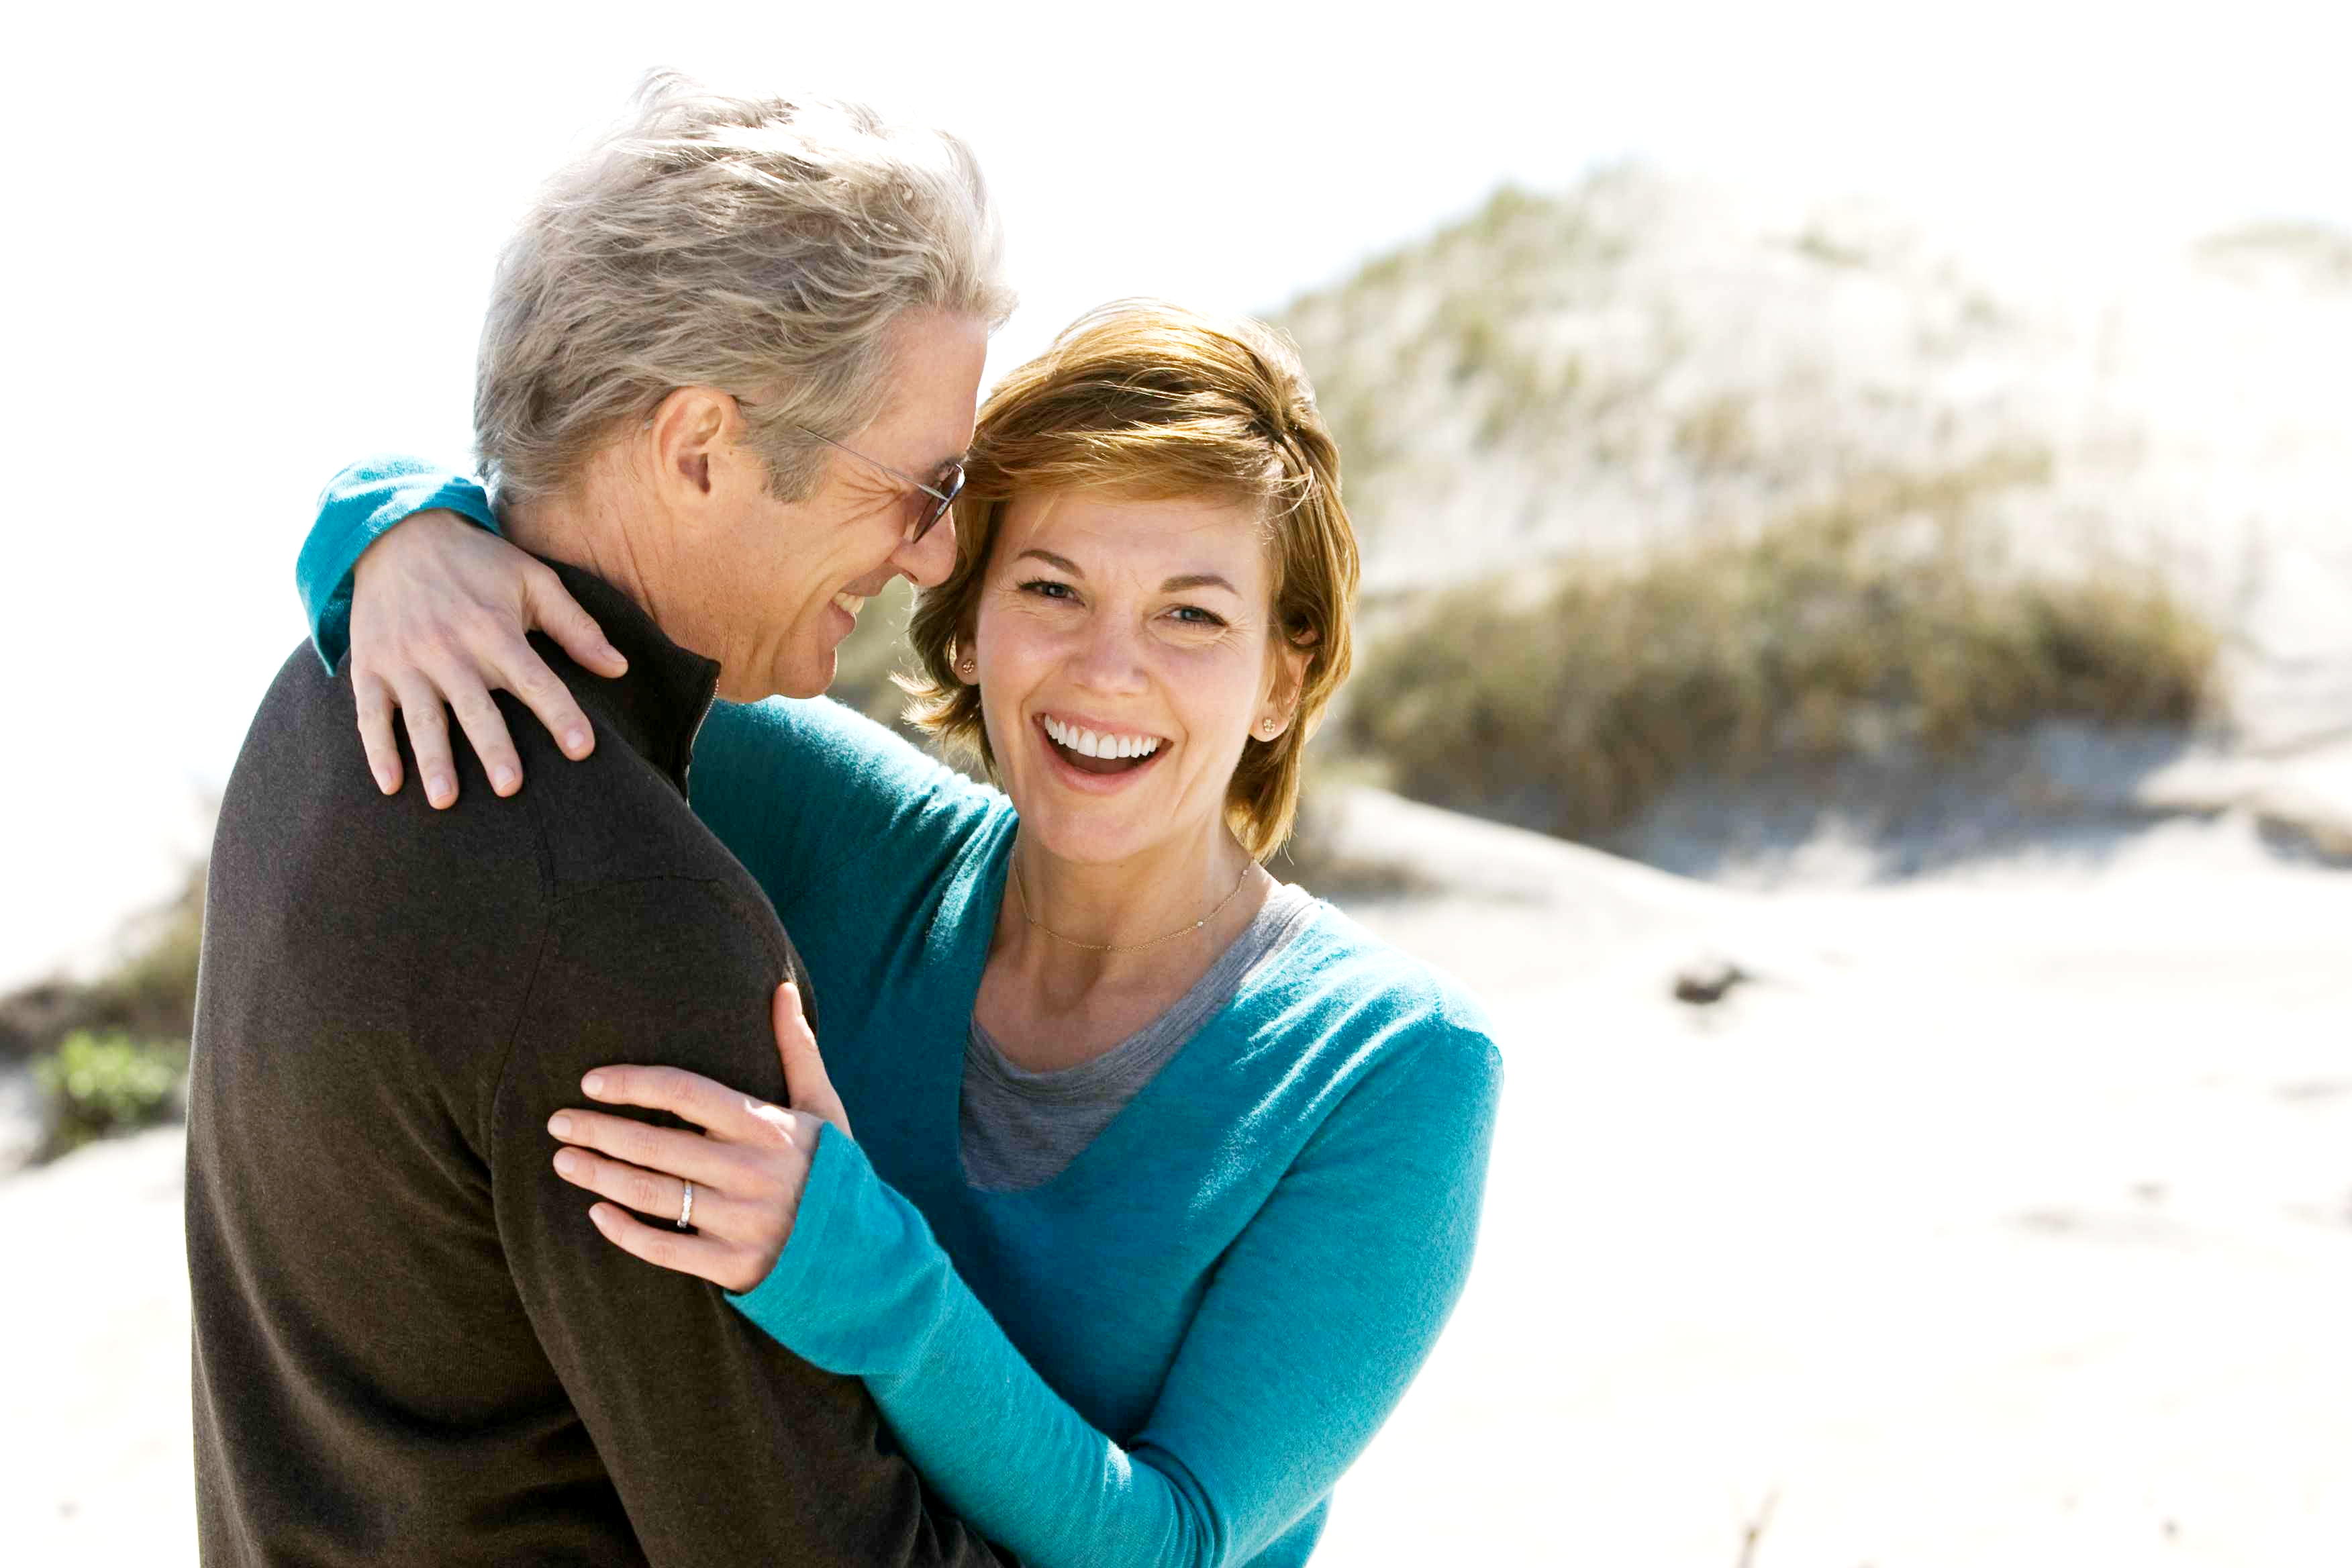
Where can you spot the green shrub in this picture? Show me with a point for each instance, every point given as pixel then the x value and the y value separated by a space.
pixel 151 992
pixel 1890 616
pixel 99 1085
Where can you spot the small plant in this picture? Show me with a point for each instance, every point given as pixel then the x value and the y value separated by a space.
pixel 99 1085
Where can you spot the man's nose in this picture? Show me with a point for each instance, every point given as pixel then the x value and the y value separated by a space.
pixel 928 560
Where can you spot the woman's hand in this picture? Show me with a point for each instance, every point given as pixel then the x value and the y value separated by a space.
pixel 749 1166
pixel 439 613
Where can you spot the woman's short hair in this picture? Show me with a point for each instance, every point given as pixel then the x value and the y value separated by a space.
pixel 760 246
pixel 1149 399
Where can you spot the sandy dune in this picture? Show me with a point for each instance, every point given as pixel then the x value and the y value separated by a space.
pixel 2006 1218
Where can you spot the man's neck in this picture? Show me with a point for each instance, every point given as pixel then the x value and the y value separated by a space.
pixel 599 524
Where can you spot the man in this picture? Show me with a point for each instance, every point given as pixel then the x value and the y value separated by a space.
pixel 730 364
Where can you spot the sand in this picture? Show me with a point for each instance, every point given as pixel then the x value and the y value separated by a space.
pixel 2006 1217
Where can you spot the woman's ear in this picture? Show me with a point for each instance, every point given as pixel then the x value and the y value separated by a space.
pixel 1287 679
pixel 967 652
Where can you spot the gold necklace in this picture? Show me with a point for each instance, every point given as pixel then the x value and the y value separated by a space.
pixel 1114 947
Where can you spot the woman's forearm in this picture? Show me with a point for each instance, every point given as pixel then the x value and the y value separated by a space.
pixel 864 1289
pixel 1319 1315
pixel 355 508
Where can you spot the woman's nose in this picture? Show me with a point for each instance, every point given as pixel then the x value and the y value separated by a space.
pixel 1108 658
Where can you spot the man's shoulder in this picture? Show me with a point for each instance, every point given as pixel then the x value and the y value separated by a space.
pixel 611 817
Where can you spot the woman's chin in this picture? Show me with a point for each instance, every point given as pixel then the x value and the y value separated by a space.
pixel 1092 833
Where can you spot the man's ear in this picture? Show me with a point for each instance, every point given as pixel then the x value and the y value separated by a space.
pixel 690 432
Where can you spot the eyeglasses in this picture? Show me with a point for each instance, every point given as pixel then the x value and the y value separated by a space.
pixel 940 500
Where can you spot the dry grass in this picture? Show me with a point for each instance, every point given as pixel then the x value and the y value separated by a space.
pixel 1893 617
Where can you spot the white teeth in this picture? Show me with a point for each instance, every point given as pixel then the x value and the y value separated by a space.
pixel 1087 743
pixel 851 603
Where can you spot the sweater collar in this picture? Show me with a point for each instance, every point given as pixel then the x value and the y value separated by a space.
pixel 658 704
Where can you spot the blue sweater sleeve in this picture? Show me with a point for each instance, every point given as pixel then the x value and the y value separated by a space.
pixel 358 505
pixel 796 788
pixel 1321 1312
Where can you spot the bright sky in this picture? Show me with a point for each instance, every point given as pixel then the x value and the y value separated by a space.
pixel 248 247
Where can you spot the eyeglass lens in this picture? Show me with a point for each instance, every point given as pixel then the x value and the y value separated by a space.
pixel 935 507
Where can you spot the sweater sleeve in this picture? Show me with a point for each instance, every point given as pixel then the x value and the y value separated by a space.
pixel 799 788
pixel 1314 1322
pixel 357 506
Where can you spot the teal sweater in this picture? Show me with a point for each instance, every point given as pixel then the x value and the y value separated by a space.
pixel 1170 1353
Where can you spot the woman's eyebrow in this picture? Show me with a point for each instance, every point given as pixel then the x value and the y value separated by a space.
pixel 1173 584
pixel 1198 579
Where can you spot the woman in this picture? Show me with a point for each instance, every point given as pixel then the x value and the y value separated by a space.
pixel 1165 1174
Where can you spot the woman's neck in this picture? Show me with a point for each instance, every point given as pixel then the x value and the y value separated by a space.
pixel 1093 946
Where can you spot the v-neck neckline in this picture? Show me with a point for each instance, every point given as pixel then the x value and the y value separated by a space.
pixel 959 940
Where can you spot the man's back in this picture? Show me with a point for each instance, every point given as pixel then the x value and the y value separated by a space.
pixel 412 1345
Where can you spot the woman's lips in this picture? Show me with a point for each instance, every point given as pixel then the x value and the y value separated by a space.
pixel 1098 775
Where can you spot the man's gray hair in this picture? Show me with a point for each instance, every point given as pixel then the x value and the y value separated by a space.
pixel 763 247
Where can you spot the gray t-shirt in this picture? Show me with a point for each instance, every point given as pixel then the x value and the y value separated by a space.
pixel 1021 1128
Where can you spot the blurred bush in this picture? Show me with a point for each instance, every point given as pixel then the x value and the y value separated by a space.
pixel 150 992
pixel 1892 616
pixel 99 1085
pixel 110 1054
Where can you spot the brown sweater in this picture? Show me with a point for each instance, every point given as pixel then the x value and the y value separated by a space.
pixel 411 1344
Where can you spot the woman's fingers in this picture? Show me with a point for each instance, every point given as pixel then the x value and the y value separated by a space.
pixel 722 1263
pixel 484 726
pixel 805 1080
pixel 521 671
pixel 373 700
pixel 666 1151
pixel 550 607
pixel 647 1192
pixel 713 1107
pixel 441 608
pixel 428 735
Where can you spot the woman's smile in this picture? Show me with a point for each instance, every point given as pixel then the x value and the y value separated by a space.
pixel 1096 757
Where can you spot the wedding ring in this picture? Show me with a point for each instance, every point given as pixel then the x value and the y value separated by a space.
pixel 686 1209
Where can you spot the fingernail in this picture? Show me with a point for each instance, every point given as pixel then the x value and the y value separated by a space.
pixel 503 780
pixel 560 1124
pixel 593 1083
pixel 575 743
pixel 439 790
pixel 567 1164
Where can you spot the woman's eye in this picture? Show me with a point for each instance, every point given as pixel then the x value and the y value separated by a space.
pixel 1048 588
pixel 1193 616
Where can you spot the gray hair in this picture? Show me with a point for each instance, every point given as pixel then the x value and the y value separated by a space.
pixel 762 246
